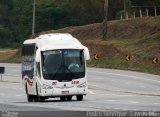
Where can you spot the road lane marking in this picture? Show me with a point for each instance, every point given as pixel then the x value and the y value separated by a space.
pixel 91 92
pixel 142 86
pixel 111 100
pixel 12 88
pixel 156 103
pixel 133 102
pixel 19 95
pixel 90 106
pixel 136 77
pixel 129 94
pixel 113 80
pixel 128 83
pixel 12 75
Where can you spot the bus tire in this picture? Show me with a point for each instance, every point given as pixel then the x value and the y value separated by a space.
pixel 69 98
pixel 79 97
pixel 29 97
pixel 62 98
pixel 37 97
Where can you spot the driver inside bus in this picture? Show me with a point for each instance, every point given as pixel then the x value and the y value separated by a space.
pixel 73 64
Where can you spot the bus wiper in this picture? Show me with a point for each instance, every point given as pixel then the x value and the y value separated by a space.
pixel 70 72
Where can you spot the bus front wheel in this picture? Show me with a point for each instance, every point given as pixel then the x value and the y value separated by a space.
pixel 38 98
pixel 79 97
pixel 62 98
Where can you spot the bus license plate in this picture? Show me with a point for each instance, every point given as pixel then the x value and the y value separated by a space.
pixel 65 92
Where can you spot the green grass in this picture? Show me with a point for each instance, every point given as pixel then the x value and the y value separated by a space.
pixel 5 49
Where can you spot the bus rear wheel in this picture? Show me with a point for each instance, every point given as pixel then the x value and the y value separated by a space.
pixel 62 98
pixel 79 97
pixel 29 97
pixel 69 98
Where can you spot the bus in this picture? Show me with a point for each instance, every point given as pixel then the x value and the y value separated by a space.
pixel 54 65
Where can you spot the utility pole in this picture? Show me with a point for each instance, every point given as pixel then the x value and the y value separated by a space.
pixel 124 2
pixel 33 21
pixel 125 11
pixel 105 19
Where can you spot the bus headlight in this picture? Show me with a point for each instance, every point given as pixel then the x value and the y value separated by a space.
pixel 44 86
pixel 82 85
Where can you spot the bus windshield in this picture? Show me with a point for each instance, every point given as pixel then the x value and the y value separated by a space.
pixel 63 65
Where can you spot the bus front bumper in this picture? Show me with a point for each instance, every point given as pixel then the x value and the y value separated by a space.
pixel 58 92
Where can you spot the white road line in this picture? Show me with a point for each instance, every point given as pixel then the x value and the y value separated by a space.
pixel 90 106
pixel 98 107
pixel 20 88
pixel 10 66
pixel 117 108
pixel 7 69
pixel 18 95
pixel 128 83
pixel 133 102
pixel 113 80
pixel 91 92
pixel 135 77
pixel 12 88
pixel 12 75
pixel 156 103
pixel 135 109
pixel 142 86
pixel 111 100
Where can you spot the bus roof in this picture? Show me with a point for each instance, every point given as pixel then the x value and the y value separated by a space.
pixel 55 41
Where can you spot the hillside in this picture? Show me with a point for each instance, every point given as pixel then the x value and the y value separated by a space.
pixel 139 38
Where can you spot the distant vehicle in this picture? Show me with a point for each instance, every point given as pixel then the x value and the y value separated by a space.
pixel 54 65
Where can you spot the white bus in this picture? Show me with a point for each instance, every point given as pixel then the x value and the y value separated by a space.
pixel 54 65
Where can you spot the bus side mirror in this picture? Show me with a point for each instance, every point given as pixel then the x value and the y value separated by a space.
pixel 38 56
pixel 86 52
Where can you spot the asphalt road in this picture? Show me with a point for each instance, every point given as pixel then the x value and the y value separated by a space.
pixel 109 90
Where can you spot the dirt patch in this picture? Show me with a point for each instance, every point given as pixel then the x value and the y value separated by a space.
pixel 104 51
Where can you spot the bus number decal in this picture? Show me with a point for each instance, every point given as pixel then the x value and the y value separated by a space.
pixel 75 82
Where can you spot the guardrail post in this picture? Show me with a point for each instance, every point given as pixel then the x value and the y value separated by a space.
pixel 2 70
